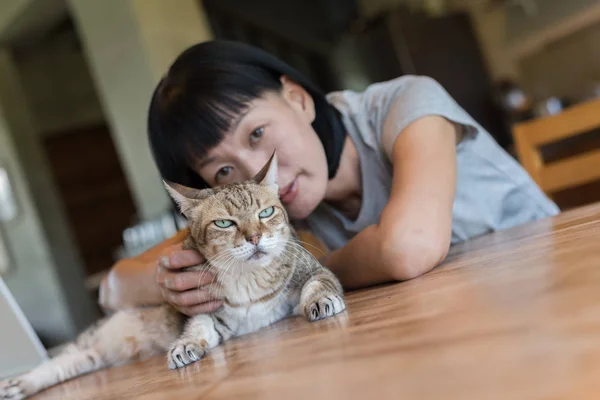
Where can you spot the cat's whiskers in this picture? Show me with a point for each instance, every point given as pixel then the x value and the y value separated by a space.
pixel 278 244
pixel 216 262
pixel 305 253
pixel 280 297
pixel 213 264
pixel 231 264
pixel 298 255
pixel 291 258
pixel 205 269
pixel 302 242
pixel 224 257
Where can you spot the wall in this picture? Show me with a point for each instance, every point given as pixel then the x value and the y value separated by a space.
pixel 46 277
pixel 8 10
pixel 58 84
pixel 569 67
pixel 31 278
pixel 168 29
pixel 24 20
pixel 549 14
pixel 127 57
pixel 490 29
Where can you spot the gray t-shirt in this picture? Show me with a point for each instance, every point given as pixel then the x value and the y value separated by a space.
pixel 493 191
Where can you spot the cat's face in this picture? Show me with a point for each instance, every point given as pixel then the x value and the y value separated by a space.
pixel 240 225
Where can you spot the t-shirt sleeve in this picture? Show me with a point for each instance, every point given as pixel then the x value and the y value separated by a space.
pixel 396 104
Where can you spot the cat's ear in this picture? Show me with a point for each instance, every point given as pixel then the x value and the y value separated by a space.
pixel 268 174
pixel 186 198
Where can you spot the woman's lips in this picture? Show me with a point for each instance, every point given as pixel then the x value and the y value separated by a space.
pixel 289 192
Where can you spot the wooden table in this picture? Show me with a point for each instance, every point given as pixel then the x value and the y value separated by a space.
pixel 512 315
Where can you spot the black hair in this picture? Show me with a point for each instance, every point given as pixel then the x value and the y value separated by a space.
pixel 208 86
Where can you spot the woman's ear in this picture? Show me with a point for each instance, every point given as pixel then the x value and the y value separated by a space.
pixel 298 98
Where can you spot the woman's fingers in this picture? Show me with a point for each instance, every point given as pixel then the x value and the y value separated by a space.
pixel 189 298
pixel 204 308
pixel 183 289
pixel 174 257
pixel 181 281
pixel 104 295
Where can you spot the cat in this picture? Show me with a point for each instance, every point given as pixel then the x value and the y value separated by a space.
pixel 262 275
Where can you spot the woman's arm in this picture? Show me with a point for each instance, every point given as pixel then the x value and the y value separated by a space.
pixel 155 276
pixel 414 230
pixel 132 281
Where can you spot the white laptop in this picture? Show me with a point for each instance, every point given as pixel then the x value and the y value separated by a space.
pixel 20 348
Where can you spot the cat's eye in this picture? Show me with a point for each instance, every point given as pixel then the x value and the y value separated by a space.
pixel 223 173
pixel 267 212
pixel 256 135
pixel 224 223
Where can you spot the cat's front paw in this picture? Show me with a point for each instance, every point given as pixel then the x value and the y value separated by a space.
pixel 186 351
pixel 324 307
pixel 13 389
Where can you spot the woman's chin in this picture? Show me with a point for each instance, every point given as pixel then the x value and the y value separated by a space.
pixel 310 194
pixel 300 211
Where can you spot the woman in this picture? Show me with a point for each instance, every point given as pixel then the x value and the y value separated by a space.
pixel 388 178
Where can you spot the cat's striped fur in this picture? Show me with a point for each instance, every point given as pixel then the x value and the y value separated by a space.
pixel 263 275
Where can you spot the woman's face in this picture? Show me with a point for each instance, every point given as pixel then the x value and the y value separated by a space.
pixel 276 121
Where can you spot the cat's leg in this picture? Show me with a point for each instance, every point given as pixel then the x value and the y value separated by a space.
pixel 322 296
pixel 124 337
pixel 201 333
pixel 60 369
pixel 67 348
pixel 68 361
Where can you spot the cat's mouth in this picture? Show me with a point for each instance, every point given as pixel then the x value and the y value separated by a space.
pixel 257 254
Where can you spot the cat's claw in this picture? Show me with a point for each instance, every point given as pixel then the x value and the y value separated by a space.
pixel 325 307
pixel 12 390
pixel 185 352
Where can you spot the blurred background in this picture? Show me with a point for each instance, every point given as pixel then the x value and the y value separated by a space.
pixel 78 187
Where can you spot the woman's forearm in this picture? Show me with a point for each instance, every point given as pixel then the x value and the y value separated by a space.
pixel 373 257
pixel 358 264
pixel 132 282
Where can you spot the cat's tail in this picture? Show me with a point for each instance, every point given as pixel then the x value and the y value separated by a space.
pixel 124 337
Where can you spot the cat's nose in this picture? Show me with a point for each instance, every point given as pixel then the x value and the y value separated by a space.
pixel 254 238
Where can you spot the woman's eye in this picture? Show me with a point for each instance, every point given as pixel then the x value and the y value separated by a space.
pixel 224 223
pixel 256 134
pixel 267 212
pixel 223 173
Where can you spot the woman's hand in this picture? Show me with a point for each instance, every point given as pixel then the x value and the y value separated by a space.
pixel 155 276
pixel 184 289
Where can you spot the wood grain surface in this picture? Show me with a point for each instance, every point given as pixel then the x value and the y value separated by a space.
pixel 511 315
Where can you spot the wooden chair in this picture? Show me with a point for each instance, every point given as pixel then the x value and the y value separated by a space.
pixel 569 172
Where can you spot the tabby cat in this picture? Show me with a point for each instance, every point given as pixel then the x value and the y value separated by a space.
pixel 262 274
